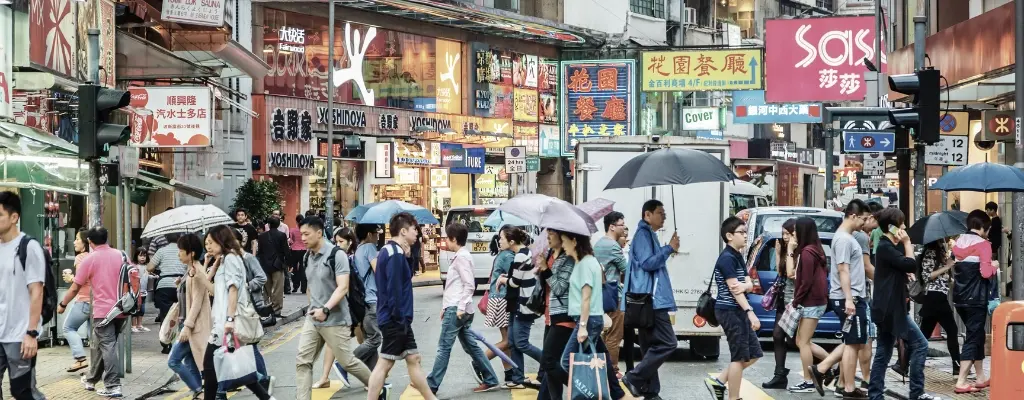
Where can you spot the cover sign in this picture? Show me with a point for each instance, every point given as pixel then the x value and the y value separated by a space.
pixel 818 59
pixel 178 116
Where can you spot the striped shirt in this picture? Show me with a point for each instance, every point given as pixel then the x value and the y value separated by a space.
pixel 521 282
pixel 166 260
pixel 729 265
pixel 612 259
pixel 561 271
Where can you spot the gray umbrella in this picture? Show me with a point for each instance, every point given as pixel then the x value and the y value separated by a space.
pixel 937 226
pixel 670 166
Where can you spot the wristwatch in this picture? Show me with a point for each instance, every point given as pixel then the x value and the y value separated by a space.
pixel 33 333
pixel 230 319
pixel 750 310
pixel 62 305
pixel 326 311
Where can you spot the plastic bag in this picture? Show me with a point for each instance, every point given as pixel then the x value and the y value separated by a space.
pixel 235 364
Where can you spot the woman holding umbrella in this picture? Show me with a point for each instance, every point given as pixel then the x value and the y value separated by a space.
pixel 521 281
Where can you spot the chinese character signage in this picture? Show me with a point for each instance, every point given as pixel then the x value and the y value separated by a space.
pixel 597 100
pixel 384 164
pixel 726 69
pixel 291 124
pixel 818 59
pixel 524 70
pixel 550 141
pixel 6 51
pixel 194 12
pixel 525 105
pixel 178 116
pixel 749 107
pixel 526 135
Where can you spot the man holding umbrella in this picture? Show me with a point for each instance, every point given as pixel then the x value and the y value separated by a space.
pixel 648 274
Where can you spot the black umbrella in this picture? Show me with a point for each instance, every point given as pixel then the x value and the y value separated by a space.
pixel 937 226
pixel 670 166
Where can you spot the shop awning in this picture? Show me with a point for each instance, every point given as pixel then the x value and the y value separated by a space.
pixel 162 182
pixel 480 19
pixel 206 49
pixel 140 59
pixel 30 141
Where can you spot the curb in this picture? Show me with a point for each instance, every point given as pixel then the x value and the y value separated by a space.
pixel 435 282
pixel 292 317
pixel 895 394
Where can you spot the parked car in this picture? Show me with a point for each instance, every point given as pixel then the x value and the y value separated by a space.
pixel 761 266
pixel 479 240
pixel 770 219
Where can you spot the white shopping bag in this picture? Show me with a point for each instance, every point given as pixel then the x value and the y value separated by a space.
pixel 235 364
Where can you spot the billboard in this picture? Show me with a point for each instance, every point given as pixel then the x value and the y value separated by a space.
pixel 750 107
pixel 171 116
pixel 597 100
pixel 818 59
pixel 726 69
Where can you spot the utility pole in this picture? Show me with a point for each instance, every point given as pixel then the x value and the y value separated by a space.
pixel 920 171
pixel 93 184
pixel 830 176
pixel 1018 198
pixel 329 197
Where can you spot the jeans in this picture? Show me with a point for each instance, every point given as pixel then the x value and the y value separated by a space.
pixel 453 327
pixel 656 344
pixel 519 335
pixel 76 317
pixel 182 363
pixel 106 363
pixel 917 346
pixel 367 351
pixel 594 327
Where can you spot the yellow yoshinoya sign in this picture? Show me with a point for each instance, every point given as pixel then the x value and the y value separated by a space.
pixel 717 69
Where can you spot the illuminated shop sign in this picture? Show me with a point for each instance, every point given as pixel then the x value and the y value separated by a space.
pixel 342 117
pixel 429 124
pixel 291 124
pixel 291 39
pixel 290 160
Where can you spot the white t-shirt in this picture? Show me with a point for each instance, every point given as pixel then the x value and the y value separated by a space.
pixel 14 296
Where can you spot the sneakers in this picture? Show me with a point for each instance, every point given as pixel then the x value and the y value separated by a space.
pixel 927 396
pixel 144 329
pixel 818 379
pixel 830 376
pixel 385 393
pixel 110 392
pixel 136 330
pixel 717 388
pixel 484 388
pixel 268 385
pixel 853 395
pixel 802 387
pixel 86 384
pixel 341 373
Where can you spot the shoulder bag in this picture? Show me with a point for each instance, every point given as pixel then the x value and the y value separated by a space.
pixel 640 306
pixel 706 303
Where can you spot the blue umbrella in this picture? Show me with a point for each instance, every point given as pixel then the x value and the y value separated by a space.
pixel 358 212
pixel 499 219
pixel 982 177
pixel 381 213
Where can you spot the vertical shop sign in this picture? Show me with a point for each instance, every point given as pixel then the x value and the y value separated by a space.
pixel 550 141
pixel 483 66
pixel 52 26
pixel 530 71
pixel 6 50
pixel 597 100
pixel 384 165
pixel 525 105
pixel 449 76
pixel 548 88
pixel 108 57
pixel 503 59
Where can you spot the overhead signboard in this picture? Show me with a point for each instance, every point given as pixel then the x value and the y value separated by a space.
pixel 998 126
pixel 750 107
pixel 193 12
pixel 171 116
pixel 515 160
pixel 708 69
pixel 950 150
pixel 818 59
pixel 869 142
pixel 597 100
pixel 703 119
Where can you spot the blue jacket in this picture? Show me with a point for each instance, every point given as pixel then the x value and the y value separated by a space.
pixel 394 286
pixel 647 268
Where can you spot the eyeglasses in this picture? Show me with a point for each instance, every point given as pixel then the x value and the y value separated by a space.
pixel 740 231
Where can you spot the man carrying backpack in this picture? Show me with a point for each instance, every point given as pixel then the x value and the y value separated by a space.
pixel 330 320
pixel 22 294
pixel 102 270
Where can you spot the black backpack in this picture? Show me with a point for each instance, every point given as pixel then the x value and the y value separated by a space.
pixel 50 286
pixel 356 290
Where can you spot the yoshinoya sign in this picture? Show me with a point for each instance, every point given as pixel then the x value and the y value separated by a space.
pixel 342 117
pixel 702 118
pixel 290 160
pixel 291 124
pixel 194 12
pixel 429 124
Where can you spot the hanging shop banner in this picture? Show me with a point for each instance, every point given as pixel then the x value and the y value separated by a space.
pixel 501 67
pixel 548 108
pixel 749 107
pixel 52 30
pixel 473 163
pixel 526 105
pixel 550 141
pixel 548 80
pixel 726 69
pixel 449 76
pixel 703 118
pixel 171 116
pixel 384 166
pixel 524 71
pixel 201 12
pixel 526 135
pixel 819 59
pixel 597 100
pixel 6 51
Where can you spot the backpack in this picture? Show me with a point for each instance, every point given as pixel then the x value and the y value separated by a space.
pixel 356 290
pixel 49 284
pixel 128 298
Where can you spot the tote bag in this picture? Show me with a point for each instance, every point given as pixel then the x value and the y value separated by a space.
pixel 588 375
pixel 234 363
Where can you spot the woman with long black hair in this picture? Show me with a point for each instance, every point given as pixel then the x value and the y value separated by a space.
pixel 807 257
pixel 497 315
pixel 555 273
pixel 786 278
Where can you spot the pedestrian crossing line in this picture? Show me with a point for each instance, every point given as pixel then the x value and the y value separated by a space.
pixel 328 392
pixel 749 391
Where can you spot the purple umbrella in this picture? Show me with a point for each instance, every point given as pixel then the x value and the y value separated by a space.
pixel 497 352
pixel 549 212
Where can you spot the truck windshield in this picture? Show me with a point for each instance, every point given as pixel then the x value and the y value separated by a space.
pixel 473 219
pixel 773 223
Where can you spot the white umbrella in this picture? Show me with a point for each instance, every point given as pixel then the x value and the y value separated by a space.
pixel 550 213
pixel 742 187
pixel 186 219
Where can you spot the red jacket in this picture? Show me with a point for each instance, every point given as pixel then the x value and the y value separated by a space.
pixel 811 278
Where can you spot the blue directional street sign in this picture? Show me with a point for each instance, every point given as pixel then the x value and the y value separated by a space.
pixel 869 142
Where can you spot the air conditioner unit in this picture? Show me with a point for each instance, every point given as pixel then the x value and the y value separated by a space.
pixel 689 16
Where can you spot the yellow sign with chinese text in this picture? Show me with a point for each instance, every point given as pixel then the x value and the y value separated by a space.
pixel 449 76
pixel 525 105
pixel 695 70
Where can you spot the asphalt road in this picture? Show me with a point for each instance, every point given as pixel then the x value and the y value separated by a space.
pixel 682 377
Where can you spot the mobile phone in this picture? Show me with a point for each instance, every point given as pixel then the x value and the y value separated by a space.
pixel 894 230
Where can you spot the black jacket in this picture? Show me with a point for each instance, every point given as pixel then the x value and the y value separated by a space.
pixel 888 310
pixel 273 251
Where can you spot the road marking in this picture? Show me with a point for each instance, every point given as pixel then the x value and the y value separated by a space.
pixel 411 393
pixel 749 391
pixel 328 392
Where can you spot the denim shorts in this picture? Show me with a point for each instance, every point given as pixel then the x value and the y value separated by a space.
pixel 814 312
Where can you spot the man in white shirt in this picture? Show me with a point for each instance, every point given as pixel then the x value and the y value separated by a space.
pixel 21 295
pixel 457 315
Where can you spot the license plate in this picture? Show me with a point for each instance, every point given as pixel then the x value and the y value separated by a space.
pixel 480 247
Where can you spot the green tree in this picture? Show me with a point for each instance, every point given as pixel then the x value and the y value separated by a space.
pixel 259 197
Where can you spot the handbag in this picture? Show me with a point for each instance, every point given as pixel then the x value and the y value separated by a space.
pixel 235 364
pixel 168 331
pixel 588 375
pixel 610 296
pixel 538 301
pixel 640 306
pixel 248 325
pixel 918 289
pixel 790 319
pixel 706 303
pixel 482 304
pixel 771 296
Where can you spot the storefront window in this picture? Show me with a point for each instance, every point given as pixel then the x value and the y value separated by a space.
pixel 348 180
pixel 389 69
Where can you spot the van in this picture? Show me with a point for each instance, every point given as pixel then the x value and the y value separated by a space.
pixel 479 240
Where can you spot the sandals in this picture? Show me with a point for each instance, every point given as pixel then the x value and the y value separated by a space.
pixel 982 385
pixel 78 366
pixel 967 390
pixel 322 384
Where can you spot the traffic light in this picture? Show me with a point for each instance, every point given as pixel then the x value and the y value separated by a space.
pixel 924 116
pixel 94 106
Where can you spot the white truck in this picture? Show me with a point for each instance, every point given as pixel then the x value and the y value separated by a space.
pixel 696 213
